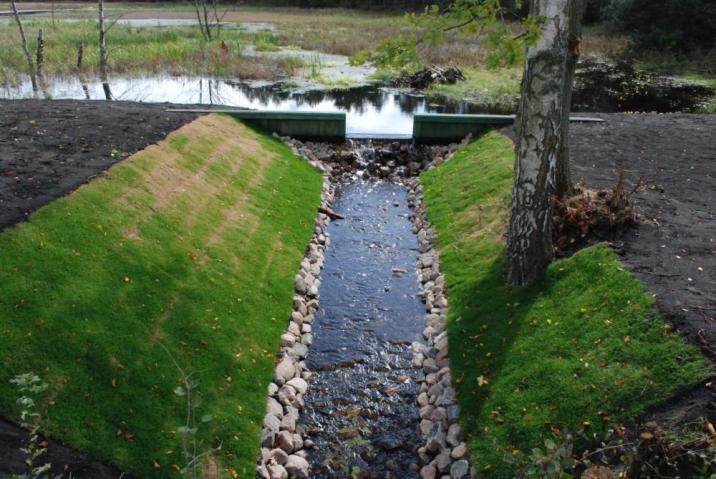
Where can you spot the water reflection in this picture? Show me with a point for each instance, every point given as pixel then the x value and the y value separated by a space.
pixel 370 110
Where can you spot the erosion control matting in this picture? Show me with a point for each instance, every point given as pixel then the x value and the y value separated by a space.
pixel 49 148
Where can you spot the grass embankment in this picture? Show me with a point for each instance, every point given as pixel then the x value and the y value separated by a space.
pixel 583 346
pixel 170 50
pixel 191 244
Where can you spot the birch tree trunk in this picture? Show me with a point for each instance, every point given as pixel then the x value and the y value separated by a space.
pixel 539 129
pixel 564 184
pixel 23 38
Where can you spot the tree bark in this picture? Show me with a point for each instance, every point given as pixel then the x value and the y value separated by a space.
pixel 23 38
pixel 564 184
pixel 40 54
pixel 104 77
pixel 539 140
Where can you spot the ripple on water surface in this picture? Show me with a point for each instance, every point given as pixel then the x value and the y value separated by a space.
pixel 361 409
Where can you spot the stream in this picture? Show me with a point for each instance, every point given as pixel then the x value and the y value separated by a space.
pixel 361 409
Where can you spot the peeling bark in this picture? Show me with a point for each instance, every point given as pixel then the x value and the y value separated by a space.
pixel 564 184
pixel 540 129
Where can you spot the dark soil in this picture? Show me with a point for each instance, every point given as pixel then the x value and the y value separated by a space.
pixel 672 250
pixel 49 148
pixel 64 460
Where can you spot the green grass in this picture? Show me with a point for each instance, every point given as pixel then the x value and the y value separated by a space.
pixel 583 344
pixel 495 90
pixel 192 244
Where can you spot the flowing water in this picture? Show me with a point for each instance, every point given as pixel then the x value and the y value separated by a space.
pixel 361 409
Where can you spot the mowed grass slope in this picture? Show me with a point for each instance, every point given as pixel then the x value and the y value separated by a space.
pixel 584 347
pixel 191 244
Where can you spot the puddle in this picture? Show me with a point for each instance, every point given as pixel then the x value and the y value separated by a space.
pixel 361 410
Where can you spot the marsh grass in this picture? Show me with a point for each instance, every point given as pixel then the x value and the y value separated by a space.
pixel 583 348
pixel 169 50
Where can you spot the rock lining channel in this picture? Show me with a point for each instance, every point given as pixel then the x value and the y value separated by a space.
pixel 381 400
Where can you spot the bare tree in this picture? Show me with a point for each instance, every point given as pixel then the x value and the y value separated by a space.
pixel 40 55
pixel 23 38
pixel 541 133
pixel 204 9
pixel 103 52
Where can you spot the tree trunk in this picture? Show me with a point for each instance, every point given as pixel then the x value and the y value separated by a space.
pixel 564 185
pixel 30 65
pixel 539 140
pixel 104 77
pixel 40 54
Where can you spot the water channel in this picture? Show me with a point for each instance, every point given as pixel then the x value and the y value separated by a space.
pixel 361 410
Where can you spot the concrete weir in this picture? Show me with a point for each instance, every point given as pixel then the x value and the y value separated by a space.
pixel 433 128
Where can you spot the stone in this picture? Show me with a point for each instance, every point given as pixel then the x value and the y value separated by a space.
pixel 284 440
pixel 267 438
pixel 285 371
pixel 453 413
pixel 307 338
pixel 297 467
pixel 443 461
pixel 428 472
pixel 277 471
pixel 299 385
pixel 305 329
pixel 297 317
pixel 422 399
pixel 460 469
pixel 279 456
pixel 301 286
pixel 272 423
pixel 297 441
pixel 287 395
pixel 436 442
pixel 288 423
pixel 308 444
pixel 262 472
pixel 288 340
pixel 426 427
pixel 298 350
pixel 294 329
pixel 272 388
pixel 453 435
pixel 429 365
pixel 459 451
pixel 274 407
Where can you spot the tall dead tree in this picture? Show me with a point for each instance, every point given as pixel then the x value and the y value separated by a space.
pixel 104 77
pixel 23 38
pixel 40 55
pixel 541 131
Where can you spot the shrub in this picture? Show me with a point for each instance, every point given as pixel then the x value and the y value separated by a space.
pixel 675 25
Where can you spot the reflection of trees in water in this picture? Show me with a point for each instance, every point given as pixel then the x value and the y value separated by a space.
pixel 358 99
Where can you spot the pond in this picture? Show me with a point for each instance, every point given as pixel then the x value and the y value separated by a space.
pixel 370 110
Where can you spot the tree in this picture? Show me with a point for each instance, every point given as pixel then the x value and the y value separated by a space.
pixel 542 127
pixel 23 39
pixel 551 36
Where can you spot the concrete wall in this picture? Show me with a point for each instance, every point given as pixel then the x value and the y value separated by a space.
pixel 441 128
pixel 300 125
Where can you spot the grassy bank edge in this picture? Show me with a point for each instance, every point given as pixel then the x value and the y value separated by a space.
pixel 582 349
pixel 94 282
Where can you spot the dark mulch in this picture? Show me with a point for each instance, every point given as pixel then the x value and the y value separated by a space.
pixel 49 148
